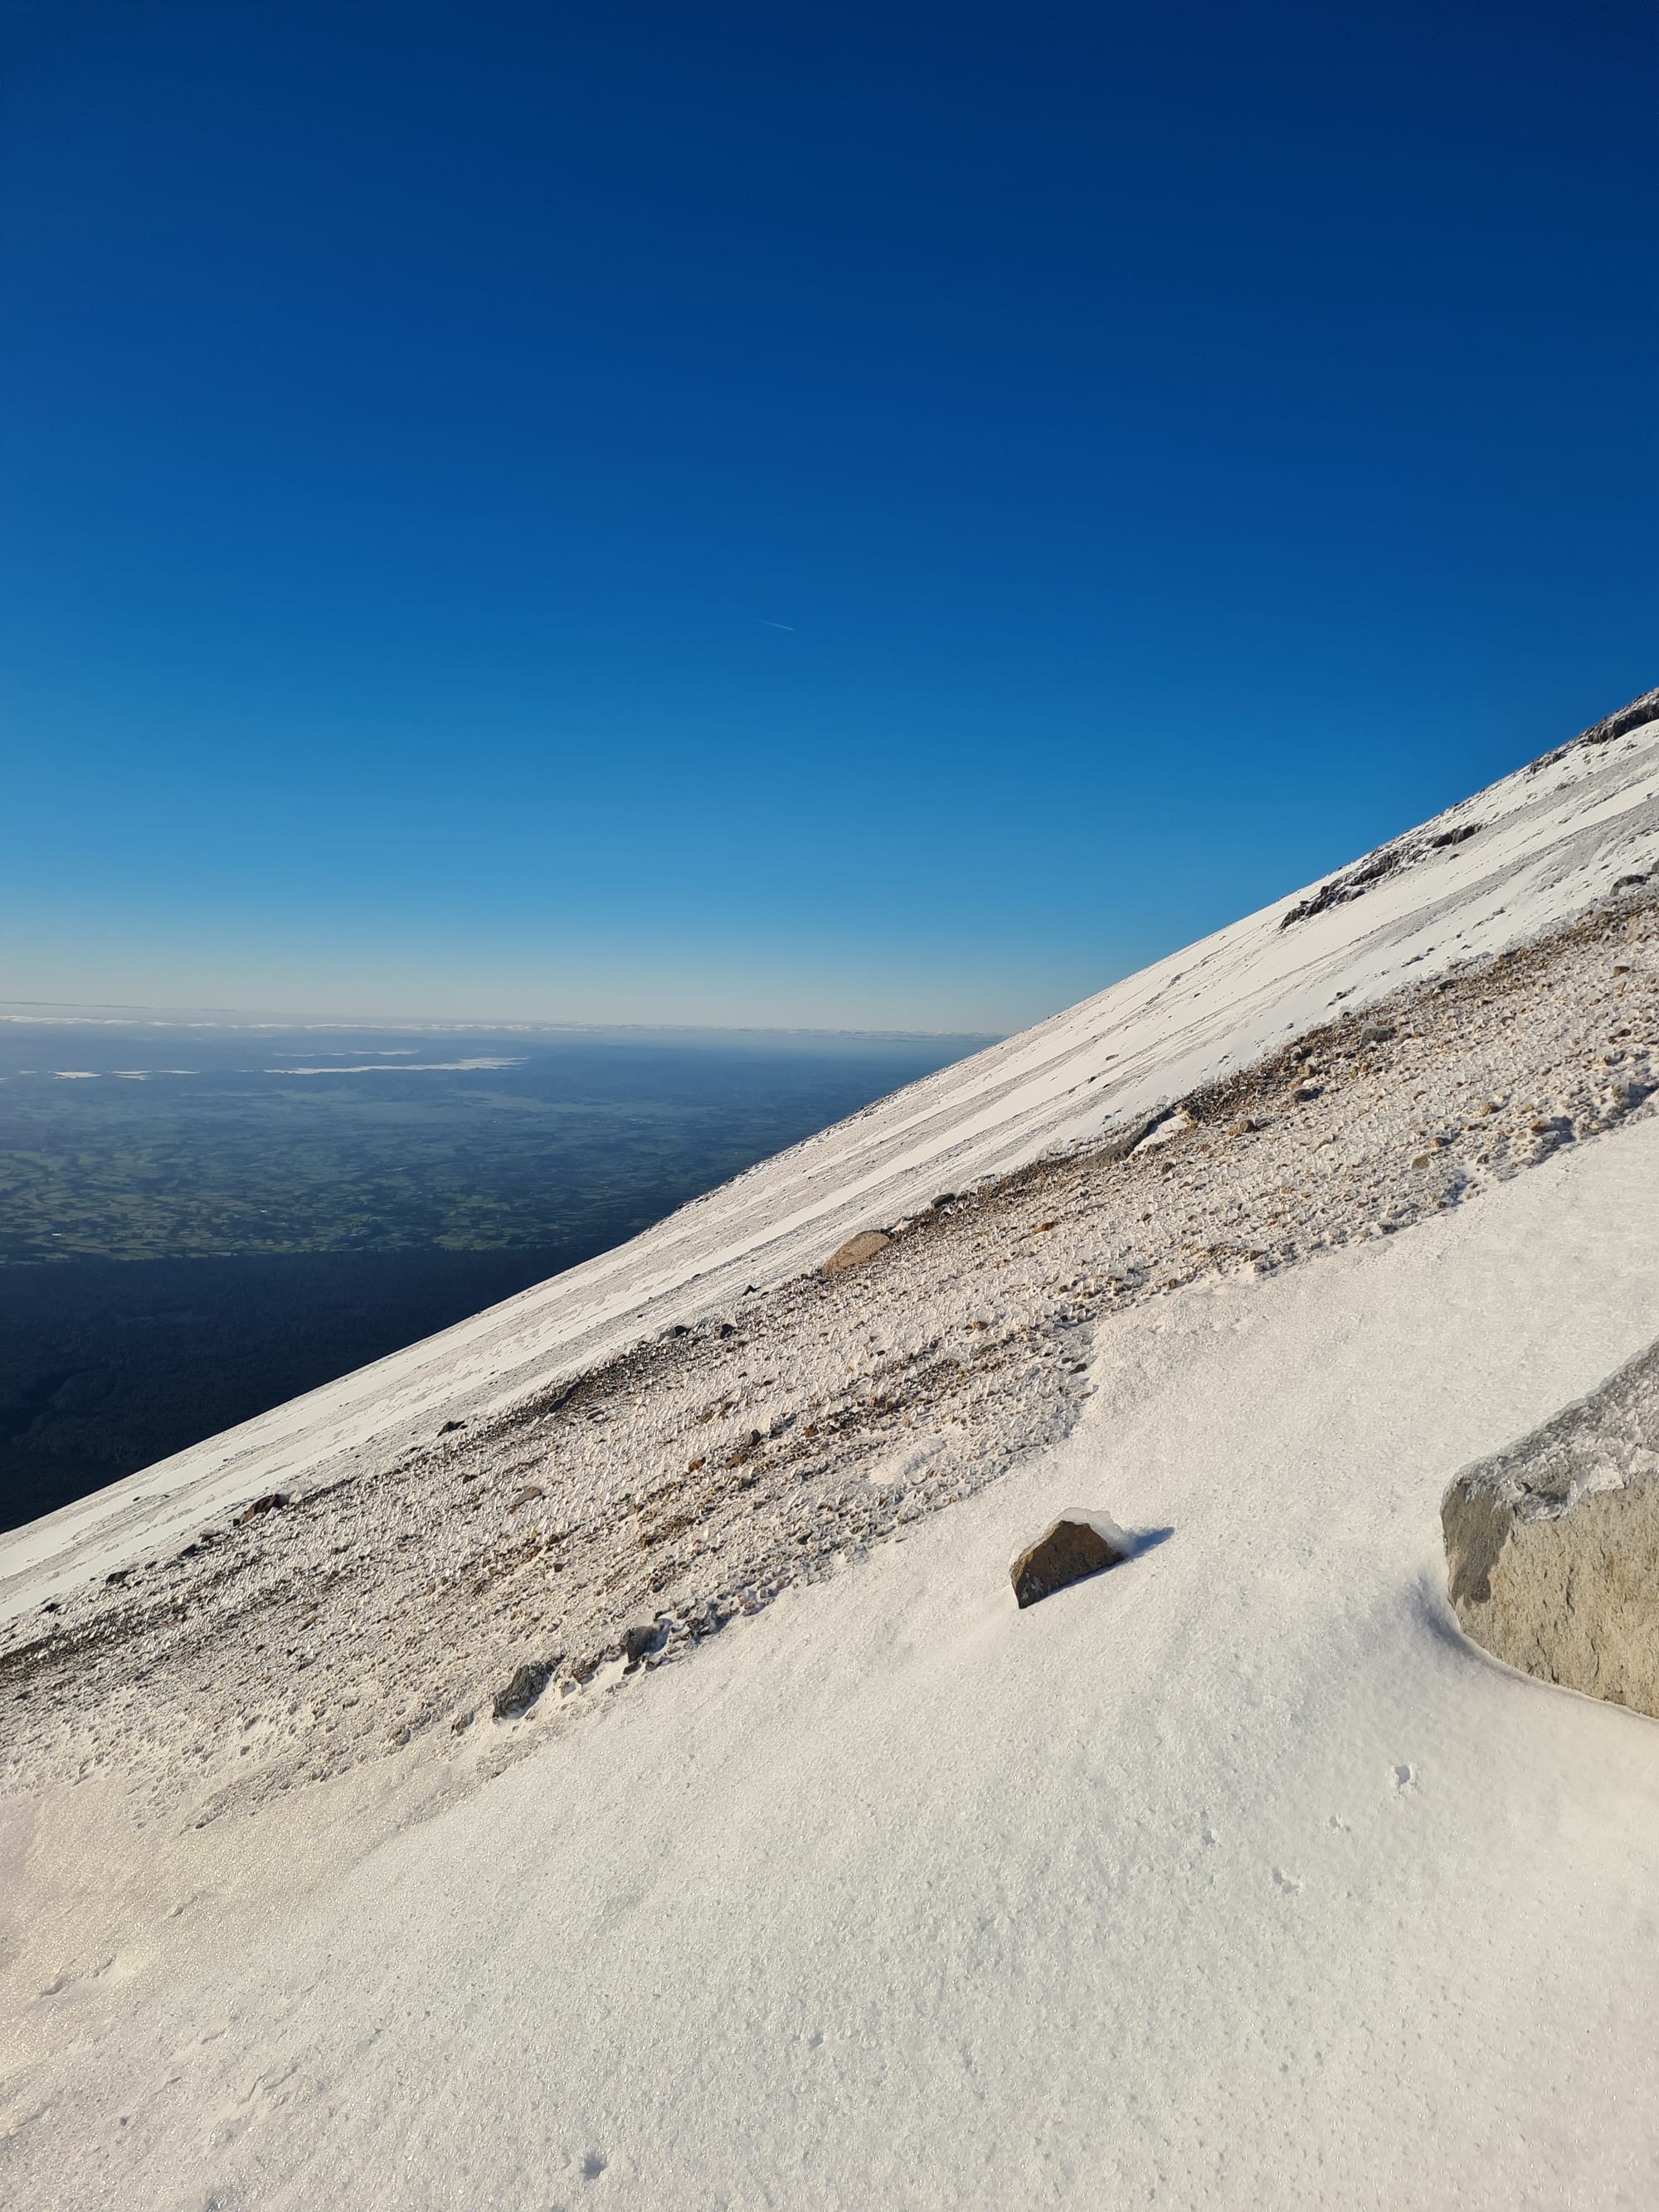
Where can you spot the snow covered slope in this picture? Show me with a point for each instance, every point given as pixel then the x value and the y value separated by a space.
pixel 1527 854
pixel 1233 1878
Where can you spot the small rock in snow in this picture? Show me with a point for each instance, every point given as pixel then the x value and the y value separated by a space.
pixel 521 1693
pixel 273 1503
pixel 857 1250
pixel 1078 1544
pixel 1172 1125
pixel 638 1642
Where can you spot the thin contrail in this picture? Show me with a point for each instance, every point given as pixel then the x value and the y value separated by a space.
pixel 767 624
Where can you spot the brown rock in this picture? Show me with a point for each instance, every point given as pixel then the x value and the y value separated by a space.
pixel 272 1503
pixel 855 1251
pixel 1078 1544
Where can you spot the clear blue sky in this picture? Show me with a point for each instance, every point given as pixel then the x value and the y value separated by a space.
pixel 835 515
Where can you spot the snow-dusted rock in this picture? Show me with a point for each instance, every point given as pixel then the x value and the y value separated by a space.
pixel 1553 1548
pixel 1080 1543
pixel 856 1250
pixel 1172 1125
pixel 519 1695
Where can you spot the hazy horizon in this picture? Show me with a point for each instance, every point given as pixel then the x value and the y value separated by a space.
pixel 94 1012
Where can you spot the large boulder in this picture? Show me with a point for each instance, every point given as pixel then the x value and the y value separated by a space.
pixel 1553 1546
pixel 1081 1542
pixel 857 1250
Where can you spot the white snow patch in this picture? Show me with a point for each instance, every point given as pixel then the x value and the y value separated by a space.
pixel 895 1468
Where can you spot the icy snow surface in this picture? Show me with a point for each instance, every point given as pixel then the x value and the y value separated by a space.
pixel 1526 853
pixel 1234 1877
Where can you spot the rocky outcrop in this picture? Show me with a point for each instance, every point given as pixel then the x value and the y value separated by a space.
pixel 1552 1547
pixel 639 1643
pixel 1078 1544
pixel 518 1695
pixel 857 1250
pixel 274 1502
pixel 1636 716
pixel 1407 852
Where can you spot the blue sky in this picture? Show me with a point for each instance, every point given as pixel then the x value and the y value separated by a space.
pixel 885 516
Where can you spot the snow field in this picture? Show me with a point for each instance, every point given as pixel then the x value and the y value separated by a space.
pixel 1231 1877
pixel 1234 1876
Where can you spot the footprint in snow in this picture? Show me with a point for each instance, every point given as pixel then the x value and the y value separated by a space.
pixel 1288 1883
pixel 1405 1778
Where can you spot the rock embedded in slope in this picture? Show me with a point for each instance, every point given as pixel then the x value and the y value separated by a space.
pixel 1164 1130
pixel 1078 1544
pixel 519 1695
pixel 855 1251
pixel 1571 1596
pixel 1552 1547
